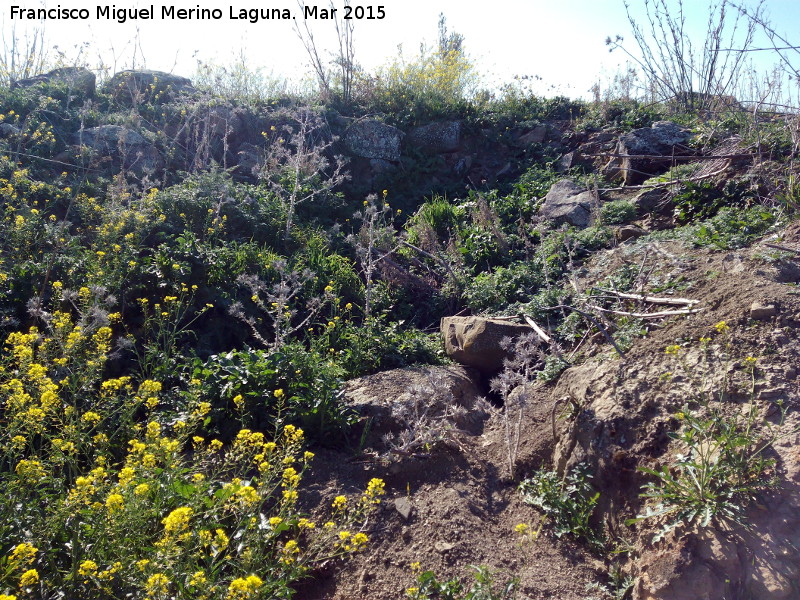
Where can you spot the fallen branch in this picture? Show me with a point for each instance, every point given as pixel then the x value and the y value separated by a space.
pixel 784 248
pixel 596 323
pixel 652 299
pixel 654 186
pixel 539 331
pixel 655 315
pixel 670 157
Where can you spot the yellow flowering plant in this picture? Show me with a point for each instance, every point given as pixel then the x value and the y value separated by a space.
pixel 149 508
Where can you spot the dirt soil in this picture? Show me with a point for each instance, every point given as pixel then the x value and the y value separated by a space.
pixel 464 509
pixel 464 506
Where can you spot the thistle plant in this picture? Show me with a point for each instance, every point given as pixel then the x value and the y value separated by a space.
pixel 282 303
pixel 519 371
pixel 722 462
pixel 375 241
pixel 296 167
pixel 430 414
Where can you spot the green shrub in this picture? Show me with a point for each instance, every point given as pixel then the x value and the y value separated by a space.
pixel 378 344
pixel 292 385
pixel 568 503
pixel 492 292
pixel 617 212
pixel 733 227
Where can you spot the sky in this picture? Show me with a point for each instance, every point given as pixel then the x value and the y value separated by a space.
pixel 559 43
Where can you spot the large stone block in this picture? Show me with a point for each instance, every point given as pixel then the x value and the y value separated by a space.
pixel 476 341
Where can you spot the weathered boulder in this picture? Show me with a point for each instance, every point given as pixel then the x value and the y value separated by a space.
pixel 537 134
pixel 7 130
pixel 436 138
pixel 373 139
pixel 762 311
pixel 130 87
pixel 433 396
pixel 249 159
pixel 79 81
pixel 647 152
pixel 654 200
pixel 126 148
pixel 476 341
pixel 627 232
pixel 568 203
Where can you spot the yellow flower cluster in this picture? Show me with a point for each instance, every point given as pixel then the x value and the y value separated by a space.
pixel 375 489
pixel 244 588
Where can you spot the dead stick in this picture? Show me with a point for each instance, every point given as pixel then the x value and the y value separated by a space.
pixel 663 185
pixel 539 331
pixel 596 324
pixel 784 248
pixel 652 299
pixel 655 315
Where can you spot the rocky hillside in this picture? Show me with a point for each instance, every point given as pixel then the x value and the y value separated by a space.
pixel 264 349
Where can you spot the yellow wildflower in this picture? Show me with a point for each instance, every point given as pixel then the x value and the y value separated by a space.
pixel 115 502
pixel 29 578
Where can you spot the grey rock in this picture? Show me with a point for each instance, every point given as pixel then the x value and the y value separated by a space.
pixel 436 138
pixel 129 87
pixel 373 139
pixel 627 232
pixel 568 203
pixel 127 148
pixel 535 136
pixel 404 507
pixel 649 201
pixel 79 81
pixel 379 398
pixel 662 139
pixel 762 312
pixel 380 166
pixel 443 547
pixel 249 159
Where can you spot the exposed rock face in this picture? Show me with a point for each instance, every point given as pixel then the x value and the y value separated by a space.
pixel 653 200
pixel 475 341
pixel 537 135
pixel 126 148
pixel 374 140
pixel 568 203
pixel 436 138
pixel 129 87
pixel 80 81
pixel 218 133
pixel 447 392
pixel 663 139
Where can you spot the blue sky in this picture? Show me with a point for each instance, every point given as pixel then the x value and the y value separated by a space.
pixel 561 42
